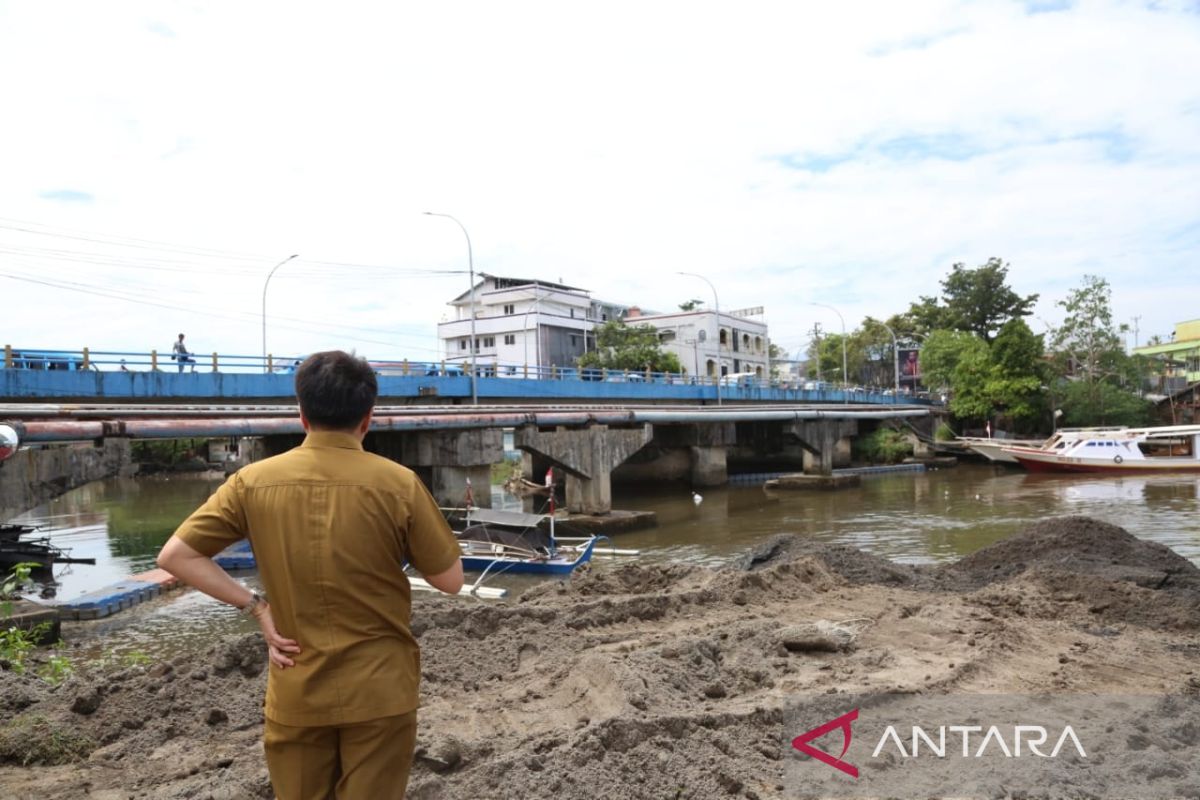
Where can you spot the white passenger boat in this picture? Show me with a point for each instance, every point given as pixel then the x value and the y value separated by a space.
pixel 1173 448
pixel 993 449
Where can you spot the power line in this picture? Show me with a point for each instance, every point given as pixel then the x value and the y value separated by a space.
pixel 215 315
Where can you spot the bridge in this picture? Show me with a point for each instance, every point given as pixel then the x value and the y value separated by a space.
pixel 145 377
pixel 69 417
pixel 452 447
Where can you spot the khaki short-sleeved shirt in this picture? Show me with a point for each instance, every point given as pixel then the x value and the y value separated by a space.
pixel 330 526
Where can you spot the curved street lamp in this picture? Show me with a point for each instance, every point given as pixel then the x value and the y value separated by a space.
pixel 895 361
pixel 717 308
pixel 845 371
pixel 267 283
pixel 471 273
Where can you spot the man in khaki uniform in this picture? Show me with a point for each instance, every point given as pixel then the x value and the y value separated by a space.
pixel 331 526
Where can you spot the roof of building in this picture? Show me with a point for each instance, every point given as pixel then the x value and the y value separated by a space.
pixel 503 282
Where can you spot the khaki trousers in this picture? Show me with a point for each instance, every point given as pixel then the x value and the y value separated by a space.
pixel 365 761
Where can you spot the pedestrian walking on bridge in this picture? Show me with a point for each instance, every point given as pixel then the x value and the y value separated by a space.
pixel 180 354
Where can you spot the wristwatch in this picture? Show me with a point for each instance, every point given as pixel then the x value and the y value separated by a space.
pixel 251 608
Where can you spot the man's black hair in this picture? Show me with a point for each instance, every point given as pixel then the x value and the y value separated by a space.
pixel 335 389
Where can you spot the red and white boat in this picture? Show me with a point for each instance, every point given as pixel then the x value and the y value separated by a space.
pixel 1173 448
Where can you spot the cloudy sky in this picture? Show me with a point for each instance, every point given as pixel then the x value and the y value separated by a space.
pixel 157 159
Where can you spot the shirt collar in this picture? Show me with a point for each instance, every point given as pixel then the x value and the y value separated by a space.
pixel 348 441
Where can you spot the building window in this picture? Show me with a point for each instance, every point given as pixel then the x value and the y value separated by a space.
pixel 724 338
pixel 510 310
pixel 510 338
pixel 572 313
pixel 574 341
pixel 711 367
pixel 604 317
pixel 462 344
pixel 666 336
pixel 702 336
pixel 758 344
pixel 489 341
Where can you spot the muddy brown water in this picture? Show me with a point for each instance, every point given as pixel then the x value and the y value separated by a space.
pixel 914 518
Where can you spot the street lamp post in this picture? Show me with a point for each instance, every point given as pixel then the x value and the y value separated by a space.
pixel 895 361
pixel 471 273
pixel 537 351
pixel 717 308
pixel 267 283
pixel 845 371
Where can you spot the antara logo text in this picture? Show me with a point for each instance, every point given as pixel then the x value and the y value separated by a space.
pixel 944 741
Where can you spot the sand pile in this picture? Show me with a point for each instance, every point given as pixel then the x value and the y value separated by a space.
pixel 652 681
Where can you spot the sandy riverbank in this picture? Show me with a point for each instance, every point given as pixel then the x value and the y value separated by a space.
pixel 651 681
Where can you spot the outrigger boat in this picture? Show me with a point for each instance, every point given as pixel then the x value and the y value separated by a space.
pixel 40 552
pixel 511 541
pixel 1174 448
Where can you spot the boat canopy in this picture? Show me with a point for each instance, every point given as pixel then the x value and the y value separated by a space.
pixel 510 519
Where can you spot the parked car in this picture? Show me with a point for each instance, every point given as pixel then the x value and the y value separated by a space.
pixel 740 379
pixel 48 360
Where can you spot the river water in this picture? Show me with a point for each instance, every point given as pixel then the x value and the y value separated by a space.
pixel 928 517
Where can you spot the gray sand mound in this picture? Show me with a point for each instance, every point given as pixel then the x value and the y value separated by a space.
pixel 639 680
pixel 1081 546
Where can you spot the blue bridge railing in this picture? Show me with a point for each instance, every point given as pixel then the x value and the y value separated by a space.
pixel 37 373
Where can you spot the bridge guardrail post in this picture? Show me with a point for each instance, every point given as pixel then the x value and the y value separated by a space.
pixel 526 374
pixel 554 372
pixel 214 360
pixel 8 356
pixel 404 369
pixel 270 363
pixel 87 360
pixel 154 361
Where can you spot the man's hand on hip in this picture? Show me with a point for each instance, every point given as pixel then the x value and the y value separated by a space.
pixel 277 646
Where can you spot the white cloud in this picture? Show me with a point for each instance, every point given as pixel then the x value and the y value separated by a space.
pixel 609 145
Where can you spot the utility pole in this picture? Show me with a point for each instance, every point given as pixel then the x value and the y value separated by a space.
pixel 816 336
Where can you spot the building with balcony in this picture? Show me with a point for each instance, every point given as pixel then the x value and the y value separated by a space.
pixel 712 346
pixel 1177 362
pixel 522 324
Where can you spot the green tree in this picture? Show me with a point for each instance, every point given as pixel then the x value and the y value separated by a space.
pixel 690 305
pixel 629 347
pixel 1019 374
pixel 1089 353
pixel 977 300
pixel 1002 381
pixel 971 385
pixel 1102 404
pixel 943 351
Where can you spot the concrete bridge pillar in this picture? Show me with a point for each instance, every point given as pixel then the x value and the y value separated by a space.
pixel 708 450
pixel 588 456
pixel 826 443
pixel 446 460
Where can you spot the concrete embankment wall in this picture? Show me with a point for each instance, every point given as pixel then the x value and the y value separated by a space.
pixel 37 475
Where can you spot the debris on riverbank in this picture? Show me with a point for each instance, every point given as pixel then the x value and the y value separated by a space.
pixel 650 681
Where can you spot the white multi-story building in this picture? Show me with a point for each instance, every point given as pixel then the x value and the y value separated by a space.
pixel 523 324
pixel 733 344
